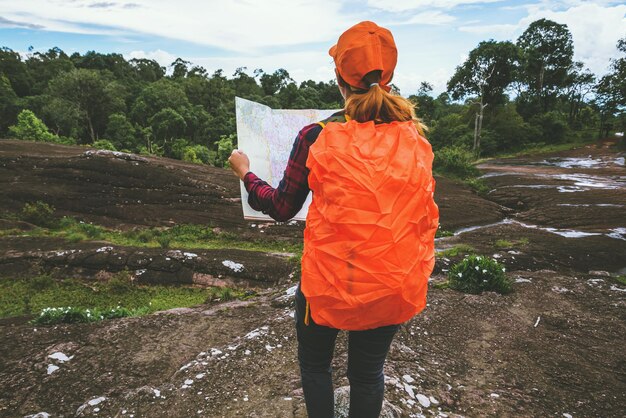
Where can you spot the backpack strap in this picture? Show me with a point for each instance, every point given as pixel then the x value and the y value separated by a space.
pixel 339 118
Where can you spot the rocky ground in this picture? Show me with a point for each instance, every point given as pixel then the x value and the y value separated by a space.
pixel 553 347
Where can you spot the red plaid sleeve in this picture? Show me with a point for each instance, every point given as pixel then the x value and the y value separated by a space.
pixel 285 201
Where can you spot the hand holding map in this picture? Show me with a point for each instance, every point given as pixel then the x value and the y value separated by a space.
pixel 266 135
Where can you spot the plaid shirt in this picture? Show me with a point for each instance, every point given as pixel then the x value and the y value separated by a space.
pixel 285 201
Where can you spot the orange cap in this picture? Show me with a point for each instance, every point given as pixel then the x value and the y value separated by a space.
pixel 363 48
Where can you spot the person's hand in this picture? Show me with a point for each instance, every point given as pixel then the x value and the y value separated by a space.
pixel 239 163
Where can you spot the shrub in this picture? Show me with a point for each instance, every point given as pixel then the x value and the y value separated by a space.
pixel 30 127
pixel 455 161
pixel 104 144
pixel 90 230
pixel 225 147
pixel 476 274
pixel 552 127
pixel 41 282
pixel 164 240
pixel 120 283
pixel 38 213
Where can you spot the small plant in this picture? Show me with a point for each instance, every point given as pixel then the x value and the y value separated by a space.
pixel 38 213
pixel 443 233
pixel 164 240
pixel 90 230
pixel 456 250
pixel 504 244
pixel 224 294
pixel 120 283
pixel 476 274
pixel 70 315
pixel 104 144
pixel 41 282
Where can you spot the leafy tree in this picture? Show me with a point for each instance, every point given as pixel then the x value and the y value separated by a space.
pixel 272 83
pixel 63 116
pixel 167 124
pixel 425 103
pixel 486 73
pixel 179 68
pixel 87 90
pixel 45 66
pixel 15 70
pixel 30 127
pixel 611 91
pixel 156 96
pixel 8 103
pixel 121 132
pixel 147 70
pixel 547 54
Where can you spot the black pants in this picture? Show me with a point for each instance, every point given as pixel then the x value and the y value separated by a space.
pixel 367 351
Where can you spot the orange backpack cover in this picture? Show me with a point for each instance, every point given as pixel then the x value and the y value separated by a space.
pixel 370 230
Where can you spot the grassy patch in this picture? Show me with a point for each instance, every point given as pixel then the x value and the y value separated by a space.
pixel 443 233
pixel 505 244
pixel 619 279
pixel 539 149
pixel 31 296
pixel 456 250
pixel 478 185
pixel 180 237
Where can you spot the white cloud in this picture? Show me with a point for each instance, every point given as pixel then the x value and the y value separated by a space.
pixel 434 17
pixel 595 30
pixel 238 25
pixel 503 29
pixel 404 5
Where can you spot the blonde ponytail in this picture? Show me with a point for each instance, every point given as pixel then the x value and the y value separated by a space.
pixel 379 106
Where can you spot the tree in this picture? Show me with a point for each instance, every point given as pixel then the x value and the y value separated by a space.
pixel 121 132
pixel 8 103
pixel 179 68
pixel 486 73
pixel 424 102
pixel 15 70
pixel 547 53
pixel 147 70
pixel 87 90
pixel 611 90
pixel 30 127
pixel 167 124
pixel 272 83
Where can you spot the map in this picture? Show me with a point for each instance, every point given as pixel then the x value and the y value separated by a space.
pixel 267 135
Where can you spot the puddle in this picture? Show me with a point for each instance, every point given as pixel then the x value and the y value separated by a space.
pixel 582 162
pixel 602 205
pixel 615 233
pixel 581 182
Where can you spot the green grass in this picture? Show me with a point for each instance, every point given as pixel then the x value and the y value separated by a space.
pixel 443 233
pixel 456 250
pixel 620 279
pixel 179 236
pixel 504 244
pixel 538 149
pixel 31 296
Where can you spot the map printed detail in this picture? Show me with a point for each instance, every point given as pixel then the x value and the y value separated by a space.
pixel 267 136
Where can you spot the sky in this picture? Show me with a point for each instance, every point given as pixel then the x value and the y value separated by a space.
pixel 433 36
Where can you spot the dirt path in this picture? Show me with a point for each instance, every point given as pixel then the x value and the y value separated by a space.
pixel 553 347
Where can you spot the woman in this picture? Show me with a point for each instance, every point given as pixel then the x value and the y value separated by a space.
pixel 369 237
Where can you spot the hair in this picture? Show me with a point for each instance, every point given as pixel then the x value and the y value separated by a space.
pixel 375 104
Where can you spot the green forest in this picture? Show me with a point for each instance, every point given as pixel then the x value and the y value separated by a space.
pixel 505 97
